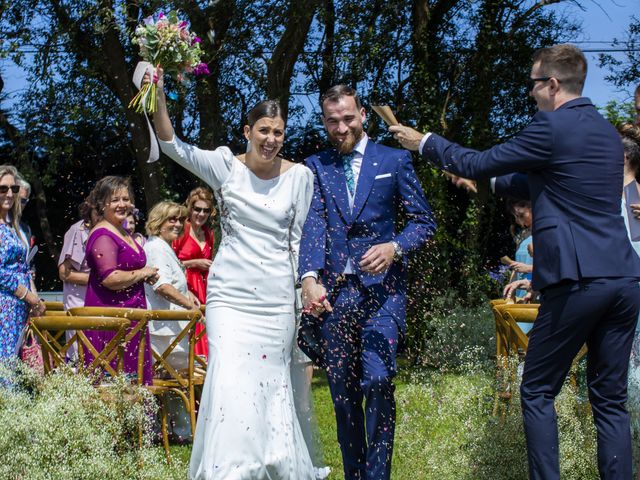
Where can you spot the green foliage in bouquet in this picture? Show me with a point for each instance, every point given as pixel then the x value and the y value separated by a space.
pixel 165 41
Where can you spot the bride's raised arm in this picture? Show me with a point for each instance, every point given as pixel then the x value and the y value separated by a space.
pixel 212 166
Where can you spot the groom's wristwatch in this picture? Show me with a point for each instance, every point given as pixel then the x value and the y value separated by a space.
pixel 397 251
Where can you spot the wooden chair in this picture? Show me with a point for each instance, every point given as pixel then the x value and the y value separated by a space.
pixel 54 309
pixel 504 345
pixel 519 339
pixel 168 379
pixel 517 342
pixel 165 378
pixel 50 332
pixel 139 315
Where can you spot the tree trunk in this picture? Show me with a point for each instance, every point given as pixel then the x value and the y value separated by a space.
pixel 280 67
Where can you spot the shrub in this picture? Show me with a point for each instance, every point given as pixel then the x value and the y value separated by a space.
pixel 457 338
pixel 446 430
pixel 61 426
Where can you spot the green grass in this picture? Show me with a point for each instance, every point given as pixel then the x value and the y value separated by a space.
pixel 446 430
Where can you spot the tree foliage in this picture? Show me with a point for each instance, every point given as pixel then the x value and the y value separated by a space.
pixel 456 67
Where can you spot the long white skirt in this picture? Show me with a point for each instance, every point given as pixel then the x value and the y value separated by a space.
pixel 247 425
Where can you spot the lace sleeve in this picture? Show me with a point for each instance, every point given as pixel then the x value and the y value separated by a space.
pixel 104 256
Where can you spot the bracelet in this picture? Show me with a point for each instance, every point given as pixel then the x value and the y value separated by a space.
pixel 24 295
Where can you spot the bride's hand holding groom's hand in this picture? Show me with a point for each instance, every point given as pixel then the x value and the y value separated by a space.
pixel 314 297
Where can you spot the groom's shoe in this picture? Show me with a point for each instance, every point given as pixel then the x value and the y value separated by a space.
pixel 310 341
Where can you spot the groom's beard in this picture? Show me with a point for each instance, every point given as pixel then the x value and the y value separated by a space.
pixel 345 145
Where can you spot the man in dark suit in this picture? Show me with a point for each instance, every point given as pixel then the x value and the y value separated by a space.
pixel 569 162
pixel 353 267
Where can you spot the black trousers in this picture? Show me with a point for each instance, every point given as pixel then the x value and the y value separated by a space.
pixel 602 313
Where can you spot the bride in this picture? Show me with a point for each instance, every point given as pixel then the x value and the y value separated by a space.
pixel 247 426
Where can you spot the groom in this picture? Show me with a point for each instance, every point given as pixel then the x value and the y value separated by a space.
pixel 354 277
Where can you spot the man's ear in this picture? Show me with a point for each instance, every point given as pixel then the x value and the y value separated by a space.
pixel 554 85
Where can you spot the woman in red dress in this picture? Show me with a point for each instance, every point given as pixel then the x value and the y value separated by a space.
pixel 194 249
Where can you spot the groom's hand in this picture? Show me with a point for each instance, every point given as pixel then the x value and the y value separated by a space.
pixel 314 297
pixel 378 258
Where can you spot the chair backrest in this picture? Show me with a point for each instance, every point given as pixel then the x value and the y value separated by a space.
pixel 161 366
pixel 512 317
pixel 506 338
pixel 54 308
pixel 50 332
pixel 138 315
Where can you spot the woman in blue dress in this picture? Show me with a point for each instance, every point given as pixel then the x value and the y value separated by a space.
pixel 17 299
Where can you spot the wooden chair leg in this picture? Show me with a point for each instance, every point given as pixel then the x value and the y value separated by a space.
pixel 164 429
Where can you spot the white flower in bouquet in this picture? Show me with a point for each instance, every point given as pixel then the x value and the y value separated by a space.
pixel 165 41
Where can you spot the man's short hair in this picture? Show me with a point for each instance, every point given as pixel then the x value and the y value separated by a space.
pixel 335 93
pixel 564 62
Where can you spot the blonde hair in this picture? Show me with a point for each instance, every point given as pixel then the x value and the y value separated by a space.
pixel 16 210
pixel 160 213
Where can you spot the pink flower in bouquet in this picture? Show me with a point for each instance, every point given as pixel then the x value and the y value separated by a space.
pixel 201 69
pixel 167 42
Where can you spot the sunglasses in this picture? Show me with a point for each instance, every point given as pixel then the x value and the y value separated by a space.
pixel 175 219
pixel 201 210
pixel 531 82
pixel 5 188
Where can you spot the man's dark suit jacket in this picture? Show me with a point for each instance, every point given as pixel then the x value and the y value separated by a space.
pixel 569 163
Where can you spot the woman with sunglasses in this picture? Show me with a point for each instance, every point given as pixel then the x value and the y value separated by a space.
pixel 194 248
pixel 18 298
pixel 170 292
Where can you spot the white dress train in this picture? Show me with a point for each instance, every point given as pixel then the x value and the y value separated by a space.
pixel 247 426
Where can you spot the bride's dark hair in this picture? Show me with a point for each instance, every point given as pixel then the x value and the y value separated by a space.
pixel 266 108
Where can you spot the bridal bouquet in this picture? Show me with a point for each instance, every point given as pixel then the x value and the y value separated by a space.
pixel 165 41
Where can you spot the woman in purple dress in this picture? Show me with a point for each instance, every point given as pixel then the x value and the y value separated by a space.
pixel 117 267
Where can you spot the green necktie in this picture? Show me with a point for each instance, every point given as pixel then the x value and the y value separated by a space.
pixel 348 171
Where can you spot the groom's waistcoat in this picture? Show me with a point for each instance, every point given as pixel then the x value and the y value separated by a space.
pixel 334 231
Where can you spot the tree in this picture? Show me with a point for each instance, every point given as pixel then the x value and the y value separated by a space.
pixel 625 72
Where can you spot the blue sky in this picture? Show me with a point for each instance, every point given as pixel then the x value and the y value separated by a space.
pixel 602 20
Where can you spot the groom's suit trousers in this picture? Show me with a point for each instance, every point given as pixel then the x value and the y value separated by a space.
pixel 360 340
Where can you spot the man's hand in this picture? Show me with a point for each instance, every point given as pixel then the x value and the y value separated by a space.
pixel 378 258
pixel 460 182
pixel 635 208
pixel 314 297
pixel 407 136
pixel 510 289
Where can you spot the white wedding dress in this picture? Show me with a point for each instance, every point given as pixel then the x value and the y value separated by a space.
pixel 247 426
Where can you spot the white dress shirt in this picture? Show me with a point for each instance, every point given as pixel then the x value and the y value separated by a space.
pixel 356 165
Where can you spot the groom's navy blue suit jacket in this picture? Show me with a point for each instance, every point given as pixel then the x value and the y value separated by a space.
pixel 569 163
pixel 333 232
